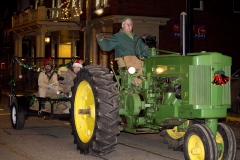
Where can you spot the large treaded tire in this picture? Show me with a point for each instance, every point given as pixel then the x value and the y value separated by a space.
pixel 94 112
pixel 174 138
pixel 175 144
pixel 199 143
pixel 226 137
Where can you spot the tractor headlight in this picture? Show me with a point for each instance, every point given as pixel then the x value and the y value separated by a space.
pixel 160 69
pixel 131 70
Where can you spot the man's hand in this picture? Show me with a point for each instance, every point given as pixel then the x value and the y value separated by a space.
pixel 100 36
pixel 50 86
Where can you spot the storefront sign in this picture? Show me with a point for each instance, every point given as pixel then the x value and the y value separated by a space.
pixel 176 28
pixel 199 29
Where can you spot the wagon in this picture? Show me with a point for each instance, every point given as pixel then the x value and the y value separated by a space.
pixel 24 100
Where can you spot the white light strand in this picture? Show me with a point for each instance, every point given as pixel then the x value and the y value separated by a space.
pixel 74 11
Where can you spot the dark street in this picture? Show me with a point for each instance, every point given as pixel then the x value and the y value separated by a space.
pixel 52 139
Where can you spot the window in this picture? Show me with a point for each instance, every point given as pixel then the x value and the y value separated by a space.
pixel 236 6
pixel 198 5
pixel 101 3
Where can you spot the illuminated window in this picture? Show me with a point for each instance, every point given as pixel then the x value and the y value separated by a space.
pixel 101 3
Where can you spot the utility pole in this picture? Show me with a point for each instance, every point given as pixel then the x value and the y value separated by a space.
pixel 88 31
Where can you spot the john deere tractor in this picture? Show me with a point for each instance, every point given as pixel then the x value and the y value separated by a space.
pixel 181 97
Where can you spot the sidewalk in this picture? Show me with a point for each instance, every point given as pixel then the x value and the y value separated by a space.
pixel 233 117
pixel 4 99
pixel 5 91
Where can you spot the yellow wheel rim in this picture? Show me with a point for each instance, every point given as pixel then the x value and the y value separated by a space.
pixel 174 134
pixel 196 148
pixel 219 140
pixel 84 111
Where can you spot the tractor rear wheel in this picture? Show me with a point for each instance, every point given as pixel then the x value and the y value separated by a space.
pixel 199 143
pixel 17 116
pixel 94 112
pixel 173 138
pixel 225 137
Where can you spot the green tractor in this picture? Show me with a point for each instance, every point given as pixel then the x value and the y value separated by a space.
pixel 181 97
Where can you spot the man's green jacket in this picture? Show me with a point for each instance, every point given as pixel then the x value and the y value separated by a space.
pixel 123 44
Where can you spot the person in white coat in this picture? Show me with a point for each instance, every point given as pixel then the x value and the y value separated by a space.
pixel 48 80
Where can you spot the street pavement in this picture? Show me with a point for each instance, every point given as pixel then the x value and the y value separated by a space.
pixel 234 123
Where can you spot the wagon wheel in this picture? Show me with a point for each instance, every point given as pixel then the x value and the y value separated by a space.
pixel 94 112
pixel 199 143
pixel 17 116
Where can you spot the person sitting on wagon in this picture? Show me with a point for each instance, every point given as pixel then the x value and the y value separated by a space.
pixel 77 65
pixel 48 80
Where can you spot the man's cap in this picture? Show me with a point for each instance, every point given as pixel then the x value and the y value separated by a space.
pixel 78 63
pixel 48 61
pixel 124 19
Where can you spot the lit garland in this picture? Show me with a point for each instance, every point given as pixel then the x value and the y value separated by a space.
pixel 33 99
pixel 34 68
pixel 12 82
pixel 39 69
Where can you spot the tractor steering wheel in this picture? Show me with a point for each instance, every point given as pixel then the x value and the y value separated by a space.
pixel 145 37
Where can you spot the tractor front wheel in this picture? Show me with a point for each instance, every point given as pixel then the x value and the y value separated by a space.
pixel 226 139
pixel 94 112
pixel 199 143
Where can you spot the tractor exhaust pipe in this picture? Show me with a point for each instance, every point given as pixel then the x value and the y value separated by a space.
pixel 183 33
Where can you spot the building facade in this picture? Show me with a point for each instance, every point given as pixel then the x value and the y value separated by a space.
pixel 46 28
pixel 215 26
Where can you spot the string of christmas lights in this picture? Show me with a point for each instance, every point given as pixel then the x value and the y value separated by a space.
pixel 75 10
pixel 39 69
pixel 33 99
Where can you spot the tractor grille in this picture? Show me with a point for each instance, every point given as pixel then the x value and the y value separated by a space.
pixel 200 78
pixel 226 96
pixel 200 85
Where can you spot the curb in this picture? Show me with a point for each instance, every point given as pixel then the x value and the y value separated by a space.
pixel 233 118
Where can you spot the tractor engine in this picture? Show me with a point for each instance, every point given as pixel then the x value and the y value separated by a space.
pixel 174 89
